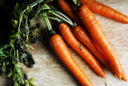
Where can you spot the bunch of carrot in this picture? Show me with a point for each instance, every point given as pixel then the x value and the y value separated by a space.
pixel 87 33
pixel 64 54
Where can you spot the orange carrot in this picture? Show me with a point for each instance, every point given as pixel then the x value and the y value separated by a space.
pixel 78 31
pixel 104 10
pixel 80 49
pixel 71 14
pixel 67 9
pixel 98 48
pixel 108 65
pixel 93 27
pixel 62 51
pixel 83 37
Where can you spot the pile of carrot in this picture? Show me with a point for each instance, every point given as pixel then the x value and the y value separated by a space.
pixel 87 39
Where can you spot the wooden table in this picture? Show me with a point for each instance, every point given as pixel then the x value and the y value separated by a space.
pixel 49 70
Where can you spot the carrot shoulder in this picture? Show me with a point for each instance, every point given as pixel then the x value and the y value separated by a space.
pixel 104 10
pixel 80 49
pixel 62 51
pixel 98 36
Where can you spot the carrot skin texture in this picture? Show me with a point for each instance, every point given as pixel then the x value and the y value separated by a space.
pixel 93 27
pixel 104 10
pixel 84 38
pixel 80 49
pixel 67 9
pixel 62 51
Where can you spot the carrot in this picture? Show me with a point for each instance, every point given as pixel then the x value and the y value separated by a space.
pixel 98 48
pixel 83 37
pixel 67 9
pixel 104 10
pixel 93 27
pixel 124 76
pixel 62 51
pixel 80 49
